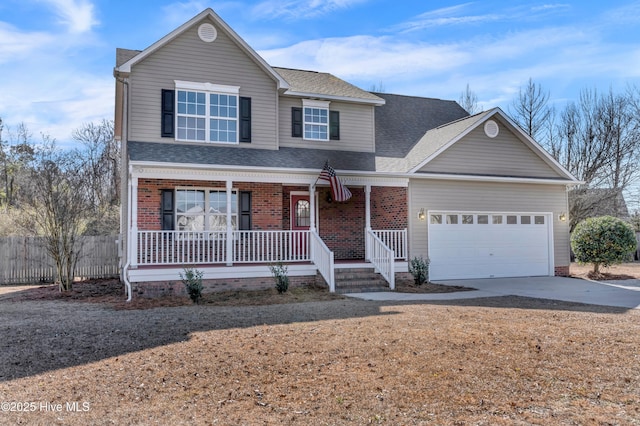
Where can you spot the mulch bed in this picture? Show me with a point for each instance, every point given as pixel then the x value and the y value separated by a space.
pixel 112 292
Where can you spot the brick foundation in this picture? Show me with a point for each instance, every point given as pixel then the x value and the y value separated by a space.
pixel 562 271
pixel 176 288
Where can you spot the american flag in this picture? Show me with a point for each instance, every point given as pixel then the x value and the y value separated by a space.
pixel 339 192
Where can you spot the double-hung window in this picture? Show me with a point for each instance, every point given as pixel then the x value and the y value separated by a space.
pixel 205 209
pixel 316 119
pixel 206 112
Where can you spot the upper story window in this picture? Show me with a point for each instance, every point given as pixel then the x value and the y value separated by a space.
pixel 206 112
pixel 314 121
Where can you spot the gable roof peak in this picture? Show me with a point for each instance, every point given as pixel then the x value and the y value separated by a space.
pixel 208 13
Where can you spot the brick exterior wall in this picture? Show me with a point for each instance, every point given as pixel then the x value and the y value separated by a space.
pixel 176 288
pixel 389 208
pixel 562 271
pixel 341 225
pixel 266 211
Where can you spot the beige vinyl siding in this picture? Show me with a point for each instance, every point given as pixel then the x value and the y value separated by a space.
pixel 463 196
pixel 356 127
pixel 187 58
pixel 504 155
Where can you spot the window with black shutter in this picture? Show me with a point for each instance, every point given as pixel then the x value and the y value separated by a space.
pixel 334 125
pixel 245 119
pixel 167 210
pixel 296 122
pixel 168 109
pixel 245 210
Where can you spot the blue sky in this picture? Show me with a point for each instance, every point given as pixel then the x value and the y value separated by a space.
pixel 57 56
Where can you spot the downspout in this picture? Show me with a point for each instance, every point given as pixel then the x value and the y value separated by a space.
pixel 125 273
pixel 125 155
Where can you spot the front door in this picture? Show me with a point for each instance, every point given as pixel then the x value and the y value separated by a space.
pixel 300 213
pixel 300 221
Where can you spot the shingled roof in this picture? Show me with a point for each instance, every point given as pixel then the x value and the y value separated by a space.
pixel 403 120
pixel 322 83
pixel 288 158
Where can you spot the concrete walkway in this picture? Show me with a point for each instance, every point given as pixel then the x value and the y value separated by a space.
pixel 623 294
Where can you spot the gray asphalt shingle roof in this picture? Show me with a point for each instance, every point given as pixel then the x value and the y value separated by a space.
pixel 403 120
pixel 322 83
pixel 291 158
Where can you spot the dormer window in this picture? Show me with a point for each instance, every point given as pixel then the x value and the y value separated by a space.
pixel 315 122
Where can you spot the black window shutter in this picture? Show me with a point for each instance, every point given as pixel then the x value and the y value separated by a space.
pixel 168 107
pixel 167 210
pixel 245 119
pixel 334 125
pixel 245 211
pixel 296 122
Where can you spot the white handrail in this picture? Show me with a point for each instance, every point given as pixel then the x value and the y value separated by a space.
pixel 395 239
pixel 322 257
pixel 382 258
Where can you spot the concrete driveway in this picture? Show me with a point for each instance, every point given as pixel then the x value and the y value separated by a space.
pixel 623 294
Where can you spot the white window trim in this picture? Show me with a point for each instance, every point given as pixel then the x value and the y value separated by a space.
pixel 314 103
pixel 208 88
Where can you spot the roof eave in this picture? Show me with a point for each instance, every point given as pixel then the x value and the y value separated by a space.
pixel 335 97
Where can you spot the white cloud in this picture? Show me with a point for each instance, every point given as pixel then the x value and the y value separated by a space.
pixel 300 9
pixel 444 17
pixel 15 44
pixel 76 15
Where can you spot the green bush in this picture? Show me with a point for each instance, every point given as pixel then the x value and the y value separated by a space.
pixel 192 280
pixel 279 272
pixel 419 268
pixel 602 241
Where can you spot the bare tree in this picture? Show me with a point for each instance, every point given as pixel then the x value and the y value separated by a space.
pixel 598 141
pixel 58 205
pixel 102 161
pixel 530 109
pixel 469 101
pixel 16 154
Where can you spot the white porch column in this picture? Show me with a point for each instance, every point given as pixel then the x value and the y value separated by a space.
pixel 367 215
pixel 133 235
pixel 367 206
pixel 312 207
pixel 229 225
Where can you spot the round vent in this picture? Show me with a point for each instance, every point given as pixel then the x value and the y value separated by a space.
pixel 207 33
pixel 491 128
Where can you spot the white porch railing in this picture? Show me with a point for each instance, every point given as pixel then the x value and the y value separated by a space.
pixel 382 258
pixel 191 247
pixel 322 257
pixel 395 239
pixel 181 247
pixel 270 246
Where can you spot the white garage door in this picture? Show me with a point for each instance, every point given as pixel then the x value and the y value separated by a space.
pixel 487 245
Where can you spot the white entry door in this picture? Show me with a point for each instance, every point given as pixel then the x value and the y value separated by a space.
pixel 486 245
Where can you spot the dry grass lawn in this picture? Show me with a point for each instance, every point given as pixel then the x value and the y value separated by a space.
pixel 317 360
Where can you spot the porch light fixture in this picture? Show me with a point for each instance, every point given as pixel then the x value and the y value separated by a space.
pixel 562 217
pixel 422 215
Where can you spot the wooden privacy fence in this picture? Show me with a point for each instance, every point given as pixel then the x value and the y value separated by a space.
pixel 24 260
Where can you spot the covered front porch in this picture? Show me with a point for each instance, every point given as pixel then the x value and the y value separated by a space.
pixel 236 224
pixel 248 254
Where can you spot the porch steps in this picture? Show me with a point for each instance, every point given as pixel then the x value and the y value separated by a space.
pixel 359 280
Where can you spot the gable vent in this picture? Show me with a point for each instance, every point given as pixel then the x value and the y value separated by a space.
pixel 491 129
pixel 207 33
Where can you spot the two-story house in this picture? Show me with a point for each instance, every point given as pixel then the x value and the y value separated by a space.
pixel 225 157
